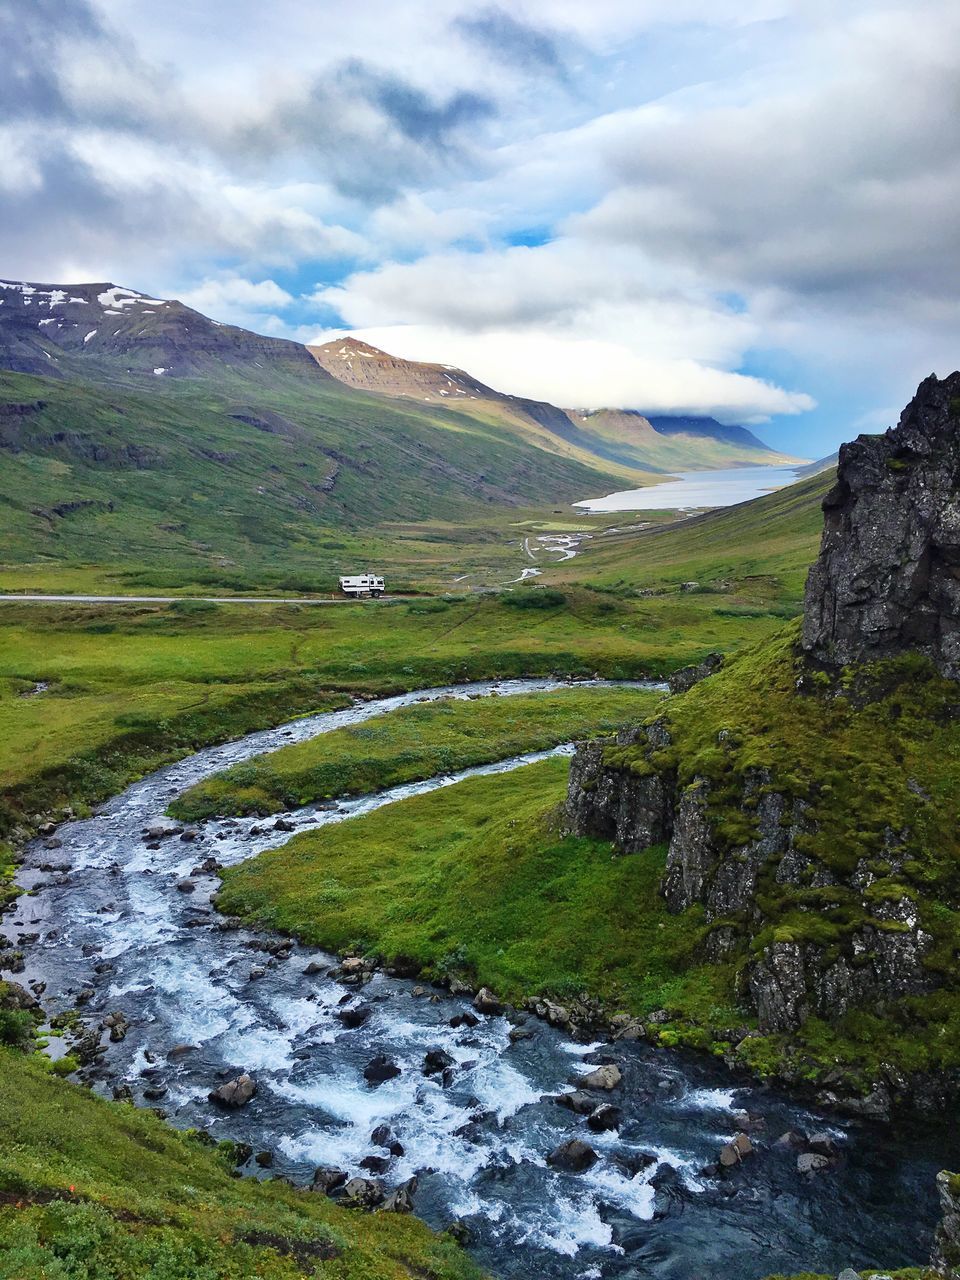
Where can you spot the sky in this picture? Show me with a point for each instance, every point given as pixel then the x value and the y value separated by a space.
pixel 747 209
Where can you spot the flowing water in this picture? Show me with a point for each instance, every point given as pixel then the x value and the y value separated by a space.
pixel 109 917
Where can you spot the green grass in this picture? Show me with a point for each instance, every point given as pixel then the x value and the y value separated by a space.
pixel 477 879
pixel 415 742
pixel 91 1190
pixel 132 686
pixel 763 547
pixel 290 478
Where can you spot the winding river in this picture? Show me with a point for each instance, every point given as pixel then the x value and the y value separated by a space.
pixel 110 918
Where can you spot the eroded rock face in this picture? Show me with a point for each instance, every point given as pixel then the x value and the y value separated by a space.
pixel 946 1245
pixel 631 810
pixel 888 576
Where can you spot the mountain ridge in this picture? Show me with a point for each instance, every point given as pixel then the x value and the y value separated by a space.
pixel 624 436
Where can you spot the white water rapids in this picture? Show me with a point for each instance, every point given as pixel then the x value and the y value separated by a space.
pixel 110 918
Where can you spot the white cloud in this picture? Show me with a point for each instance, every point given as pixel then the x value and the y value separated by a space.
pixel 229 294
pixel 587 373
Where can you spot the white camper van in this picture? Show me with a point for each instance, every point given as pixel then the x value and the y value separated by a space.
pixel 362 584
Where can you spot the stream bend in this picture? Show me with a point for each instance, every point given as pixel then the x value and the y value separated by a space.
pixel 110 920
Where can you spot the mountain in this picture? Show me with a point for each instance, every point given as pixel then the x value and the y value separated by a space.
pixel 822 464
pixel 102 329
pixel 136 429
pixel 620 436
pixel 680 444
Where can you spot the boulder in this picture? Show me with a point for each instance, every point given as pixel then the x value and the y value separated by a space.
pixel 732 1153
pixel 354 1017
pixel 437 1061
pixel 235 1093
pixel 604 1117
pixel 606 1077
pixel 380 1069
pixel 579 1102
pixel 516 1034
pixel 465 1019
pixel 824 1144
pixel 400 1200
pixel 486 1002
pixel 327 1179
pixel 574 1156
pixel 363 1193
pixel 375 1164
pixel 810 1163
pixel 116 1024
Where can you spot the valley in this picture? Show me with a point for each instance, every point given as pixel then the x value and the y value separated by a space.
pixel 572 800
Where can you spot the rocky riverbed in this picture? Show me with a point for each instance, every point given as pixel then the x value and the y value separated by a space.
pixel 647 1162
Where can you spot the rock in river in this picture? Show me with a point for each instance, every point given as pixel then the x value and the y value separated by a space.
pixel 235 1093
pixel 380 1069
pixel 327 1179
pixel 606 1077
pixel 574 1156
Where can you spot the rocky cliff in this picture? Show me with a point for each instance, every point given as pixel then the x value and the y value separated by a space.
pixel 807 812
pixel 888 575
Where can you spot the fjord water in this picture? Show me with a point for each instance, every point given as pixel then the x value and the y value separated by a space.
pixel 695 490
pixel 478 1145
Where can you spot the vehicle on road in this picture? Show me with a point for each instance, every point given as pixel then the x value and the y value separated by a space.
pixel 362 584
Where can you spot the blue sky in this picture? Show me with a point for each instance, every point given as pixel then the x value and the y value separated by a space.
pixel 746 209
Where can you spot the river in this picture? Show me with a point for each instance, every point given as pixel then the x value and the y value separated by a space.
pixel 696 490
pixel 110 918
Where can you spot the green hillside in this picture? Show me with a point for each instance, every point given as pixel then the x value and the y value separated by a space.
pixel 766 545
pixel 91 1190
pixel 228 472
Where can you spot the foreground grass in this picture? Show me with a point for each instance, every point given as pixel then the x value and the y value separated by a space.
pixel 91 1190
pixel 476 879
pixel 415 742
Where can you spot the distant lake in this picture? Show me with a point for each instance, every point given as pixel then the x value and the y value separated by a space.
pixel 696 489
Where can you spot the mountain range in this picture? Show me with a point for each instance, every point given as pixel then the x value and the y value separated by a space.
pixel 134 428
pixel 622 436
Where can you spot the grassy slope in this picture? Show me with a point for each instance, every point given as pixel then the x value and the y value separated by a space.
pixel 767 544
pixel 170 474
pixel 91 1190
pixel 406 745
pixel 477 879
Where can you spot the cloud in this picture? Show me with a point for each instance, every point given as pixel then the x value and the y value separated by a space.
pixel 214 296
pixel 567 323
pixel 587 373
pixel 724 186
pixel 510 40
